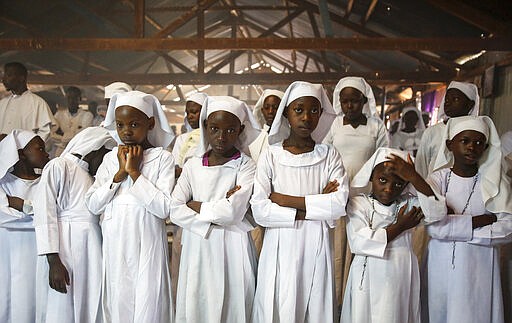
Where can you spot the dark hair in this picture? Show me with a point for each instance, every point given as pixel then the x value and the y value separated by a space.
pixel 74 89
pixel 20 68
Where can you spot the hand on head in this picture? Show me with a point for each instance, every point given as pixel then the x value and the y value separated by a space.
pixel 401 168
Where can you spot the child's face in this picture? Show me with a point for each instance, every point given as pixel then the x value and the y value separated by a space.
pixel 133 125
pixel 222 131
pixel 303 115
pixel 467 147
pixel 35 154
pixel 410 119
pixel 456 103
pixel 269 109
pixel 193 111
pixel 352 102
pixel 386 186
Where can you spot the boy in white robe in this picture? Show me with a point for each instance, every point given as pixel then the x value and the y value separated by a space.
pixel 384 280
pixel 210 202
pixel 68 235
pixel 300 190
pixel 22 152
pixel 461 276
pixel 133 189
pixel 410 131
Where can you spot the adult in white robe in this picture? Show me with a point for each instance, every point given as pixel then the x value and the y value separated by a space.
pixel 70 124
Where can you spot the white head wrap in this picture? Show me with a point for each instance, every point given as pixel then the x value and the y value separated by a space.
pixel 281 127
pixel 9 147
pixel 258 115
pixel 88 140
pixel 495 185
pixel 199 98
pixel 420 125
pixel 362 178
pixel 358 83
pixel 116 87
pixel 161 135
pixel 240 110
pixel 470 90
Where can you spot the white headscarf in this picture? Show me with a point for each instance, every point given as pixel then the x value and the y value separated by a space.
pixel 199 98
pixel 470 90
pixel 362 178
pixel 358 83
pixel 161 135
pixel 89 139
pixel 258 115
pixel 116 87
pixel 9 147
pixel 420 125
pixel 495 185
pixel 240 110
pixel 281 127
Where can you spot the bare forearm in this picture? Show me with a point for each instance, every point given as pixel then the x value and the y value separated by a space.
pixel 483 220
pixel 422 186
pixel 296 202
pixel 195 206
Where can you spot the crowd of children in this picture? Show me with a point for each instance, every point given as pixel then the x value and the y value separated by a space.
pixel 336 213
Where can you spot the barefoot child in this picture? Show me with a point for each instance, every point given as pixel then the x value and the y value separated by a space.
pixel 68 234
pixel 300 190
pixel 133 188
pixel 22 153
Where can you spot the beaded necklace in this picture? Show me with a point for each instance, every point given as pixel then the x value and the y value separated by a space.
pixel 475 179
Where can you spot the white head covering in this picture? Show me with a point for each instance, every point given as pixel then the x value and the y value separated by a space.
pixel 258 115
pixel 240 110
pixel 470 90
pixel 495 185
pixel 199 98
pixel 420 125
pixel 89 139
pixel 281 127
pixel 116 87
pixel 362 178
pixel 359 83
pixel 9 147
pixel 161 135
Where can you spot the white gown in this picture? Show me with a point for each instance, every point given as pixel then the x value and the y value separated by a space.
pixel 65 226
pixel 70 126
pixel 406 141
pixel 295 272
pixel 463 284
pixel 136 281
pixel 217 277
pixel 185 147
pixel 431 141
pixel 18 253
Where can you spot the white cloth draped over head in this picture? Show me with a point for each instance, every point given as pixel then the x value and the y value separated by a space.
pixel 281 127
pixel 161 135
pixel 258 115
pixel 495 185
pixel 240 110
pixel 199 98
pixel 9 147
pixel 470 90
pixel 116 87
pixel 358 83
pixel 420 125
pixel 362 178
pixel 88 140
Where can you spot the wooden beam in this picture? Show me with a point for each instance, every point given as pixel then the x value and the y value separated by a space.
pixel 212 8
pixel 200 35
pixel 139 18
pixel 369 12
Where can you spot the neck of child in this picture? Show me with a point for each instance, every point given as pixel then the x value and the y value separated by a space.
pixel 298 145
pixel 215 159
pixel 23 171
pixel 465 170
pixel 146 144
pixel 361 120
pixel 409 129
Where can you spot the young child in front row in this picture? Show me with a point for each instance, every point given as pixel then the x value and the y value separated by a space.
pixel 300 190
pixel 133 189
pixel 68 235
pixel 384 284
pixel 217 275
pixel 23 152
pixel 461 276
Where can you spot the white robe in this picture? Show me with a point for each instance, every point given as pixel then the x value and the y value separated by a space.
pixel 258 146
pixel 17 252
pixel 65 226
pixel 470 289
pixel 384 279
pixel 27 111
pixel 136 281
pixel 70 126
pixel 431 141
pixel 185 147
pixel 406 141
pixel 217 277
pixel 295 272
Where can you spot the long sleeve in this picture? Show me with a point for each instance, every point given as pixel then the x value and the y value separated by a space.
pixel 104 189
pixel 499 232
pixel 44 119
pixel 7 213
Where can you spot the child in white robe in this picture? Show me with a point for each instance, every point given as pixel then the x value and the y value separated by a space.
pixel 384 279
pixel 461 276
pixel 22 152
pixel 300 190
pixel 68 234
pixel 410 131
pixel 217 277
pixel 133 189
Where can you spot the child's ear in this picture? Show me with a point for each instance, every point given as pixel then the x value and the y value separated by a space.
pixel 205 123
pixel 151 123
pixel 449 144
pixel 486 146
pixel 21 155
pixel 285 111
pixel 365 99
pixel 242 127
